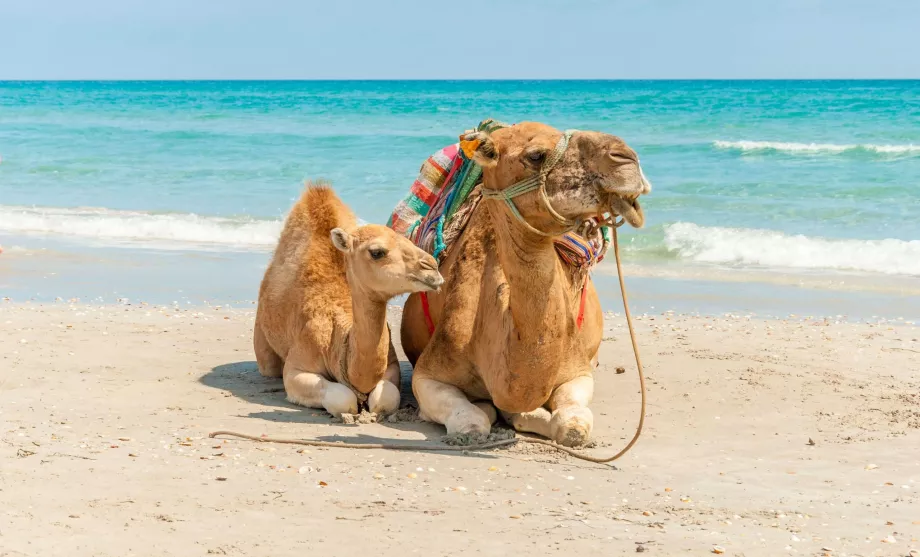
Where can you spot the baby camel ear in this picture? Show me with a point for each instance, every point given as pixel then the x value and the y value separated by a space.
pixel 479 147
pixel 341 240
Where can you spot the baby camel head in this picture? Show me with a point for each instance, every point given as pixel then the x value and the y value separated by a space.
pixel 590 174
pixel 384 263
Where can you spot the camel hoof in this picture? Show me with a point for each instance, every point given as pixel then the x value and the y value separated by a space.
pixel 571 427
pixel 472 421
pixel 384 399
pixel 339 399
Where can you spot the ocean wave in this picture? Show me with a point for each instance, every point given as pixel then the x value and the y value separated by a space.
pixel 744 246
pixel 812 148
pixel 178 231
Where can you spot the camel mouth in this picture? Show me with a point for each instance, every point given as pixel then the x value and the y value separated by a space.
pixel 429 283
pixel 629 209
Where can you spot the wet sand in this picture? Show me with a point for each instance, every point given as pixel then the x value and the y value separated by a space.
pixel 764 437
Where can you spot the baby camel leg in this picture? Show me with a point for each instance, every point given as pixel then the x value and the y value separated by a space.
pixel 270 363
pixel 315 391
pixel 446 404
pixel 384 399
pixel 572 420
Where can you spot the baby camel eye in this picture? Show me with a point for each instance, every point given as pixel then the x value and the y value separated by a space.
pixel 377 253
pixel 536 157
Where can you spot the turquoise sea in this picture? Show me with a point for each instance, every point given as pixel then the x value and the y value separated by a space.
pixel 768 196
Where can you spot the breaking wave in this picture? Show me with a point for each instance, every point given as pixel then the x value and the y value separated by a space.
pixel 815 148
pixel 769 248
pixel 177 231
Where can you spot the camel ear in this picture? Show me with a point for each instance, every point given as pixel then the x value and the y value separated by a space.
pixel 341 240
pixel 479 147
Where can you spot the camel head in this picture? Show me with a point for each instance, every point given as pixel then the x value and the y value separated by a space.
pixel 592 174
pixel 384 263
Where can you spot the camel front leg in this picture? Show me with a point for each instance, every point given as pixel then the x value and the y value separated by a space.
pixel 315 391
pixel 446 404
pixel 384 399
pixel 572 420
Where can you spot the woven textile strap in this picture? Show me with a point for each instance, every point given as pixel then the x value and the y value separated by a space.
pixel 536 182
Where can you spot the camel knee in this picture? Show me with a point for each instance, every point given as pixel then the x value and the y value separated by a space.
pixel 448 405
pixel 339 399
pixel 384 399
pixel 314 391
pixel 571 426
pixel 468 420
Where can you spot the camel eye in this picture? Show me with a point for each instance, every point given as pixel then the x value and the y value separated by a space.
pixel 536 157
pixel 377 253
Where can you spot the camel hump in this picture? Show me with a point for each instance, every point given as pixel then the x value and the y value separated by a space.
pixel 320 210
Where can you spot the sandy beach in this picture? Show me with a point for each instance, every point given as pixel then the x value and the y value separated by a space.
pixel 764 437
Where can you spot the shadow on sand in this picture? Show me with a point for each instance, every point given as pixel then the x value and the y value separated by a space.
pixel 243 380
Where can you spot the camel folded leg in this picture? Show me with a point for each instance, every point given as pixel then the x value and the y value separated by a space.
pixel 446 404
pixel 572 420
pixel 270 363
pixel 315 391
pixel 567 419
pixel 384 399
pixel 536 421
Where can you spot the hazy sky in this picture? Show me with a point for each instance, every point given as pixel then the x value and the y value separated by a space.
pixel 305 39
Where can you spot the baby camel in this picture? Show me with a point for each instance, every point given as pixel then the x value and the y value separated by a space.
pixel 321 319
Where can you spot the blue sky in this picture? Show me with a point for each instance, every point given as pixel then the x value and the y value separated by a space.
pixel 340 39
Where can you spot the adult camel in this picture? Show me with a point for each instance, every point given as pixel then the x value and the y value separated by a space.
pixel 511 329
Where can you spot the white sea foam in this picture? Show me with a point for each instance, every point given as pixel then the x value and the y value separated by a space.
pixel 744 246
pixel 159 230
pixel 805 148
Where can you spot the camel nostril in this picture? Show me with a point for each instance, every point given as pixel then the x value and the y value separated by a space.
pixel 620 158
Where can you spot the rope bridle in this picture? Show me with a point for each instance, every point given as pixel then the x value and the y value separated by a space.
pixel 536 182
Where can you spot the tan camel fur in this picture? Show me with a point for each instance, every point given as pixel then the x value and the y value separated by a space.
pixel 505 322
pixel 321 319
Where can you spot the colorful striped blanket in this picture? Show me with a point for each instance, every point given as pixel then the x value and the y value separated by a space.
pixel 444 196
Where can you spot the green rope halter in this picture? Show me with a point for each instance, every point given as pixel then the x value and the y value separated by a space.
pixel 536 182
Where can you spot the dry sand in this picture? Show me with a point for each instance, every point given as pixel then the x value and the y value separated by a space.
pixel 763 438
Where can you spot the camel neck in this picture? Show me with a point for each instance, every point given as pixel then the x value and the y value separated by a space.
pixel 529 263
pixel 368 341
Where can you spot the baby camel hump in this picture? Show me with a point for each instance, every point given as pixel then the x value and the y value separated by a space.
pixel 306 274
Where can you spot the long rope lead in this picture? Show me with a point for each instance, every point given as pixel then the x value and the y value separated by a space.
pixel 496 444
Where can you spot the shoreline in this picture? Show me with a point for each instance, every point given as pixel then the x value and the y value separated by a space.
pixel 100 273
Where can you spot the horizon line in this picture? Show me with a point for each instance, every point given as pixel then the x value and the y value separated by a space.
pixel 444 80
